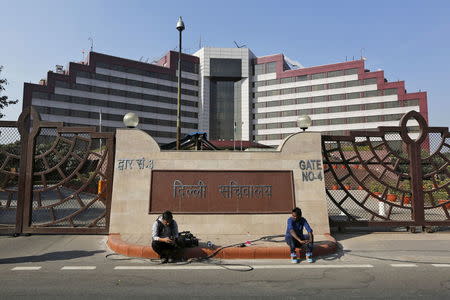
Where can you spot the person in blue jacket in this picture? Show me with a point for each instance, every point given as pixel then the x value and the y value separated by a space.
pixel 295 237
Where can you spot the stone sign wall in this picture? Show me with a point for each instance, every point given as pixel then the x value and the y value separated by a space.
pixel 217 192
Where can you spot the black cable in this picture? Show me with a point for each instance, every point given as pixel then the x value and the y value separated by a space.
pixel 206 260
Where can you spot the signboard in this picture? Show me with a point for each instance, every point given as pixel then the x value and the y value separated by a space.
pixel 222 191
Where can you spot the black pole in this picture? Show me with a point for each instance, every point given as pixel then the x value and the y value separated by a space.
pixel 179 96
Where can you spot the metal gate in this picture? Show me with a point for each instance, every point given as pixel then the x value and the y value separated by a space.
pixel 389 177
pixel 54 179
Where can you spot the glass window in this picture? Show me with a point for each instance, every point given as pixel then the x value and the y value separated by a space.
pixel 289 124
pixel 373 118
pixel 370 81
pixel 336 73
pixel 352 83
pixel 337 121
pixel 355 107
pixel 373 105
pixel 337 97
pixel 260 94
pixel 274 114
pixel 274 137
pixel 302 78
pixel 351 71
pixel 318 87
pixel 273 125
pixel 289 113
pixel 288 91
pixel 259 69
pixel 336 85
pixel 273 93
pixel 335 109
pixel 260 83
pixel 353 95
pixel 390 92
pixel 273 103
pixel 320 122
pixel 414 102
pixel 303 89
pixel 318 75
pixel 288 102
pixel 320 110
pixel 356 120
pixel 271 67
pixel 319 99
pixel 287 79
pixel 371 93
pixel 391 104
pixel 302 100
pixel 273 81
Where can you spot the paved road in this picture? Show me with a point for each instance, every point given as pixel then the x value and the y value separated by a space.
pixel 378 266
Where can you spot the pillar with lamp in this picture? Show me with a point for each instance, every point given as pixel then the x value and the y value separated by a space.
pixel 304 122
pixel 180 28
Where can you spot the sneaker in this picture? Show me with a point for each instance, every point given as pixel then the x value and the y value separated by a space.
pixel 164 260
pixel 310 259
pixel 294 259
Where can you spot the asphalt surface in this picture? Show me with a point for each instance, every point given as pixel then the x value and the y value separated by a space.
pixel 369 265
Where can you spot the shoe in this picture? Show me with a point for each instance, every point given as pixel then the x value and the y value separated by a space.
pixel 164 260
pixel 294 259
pixel 310 259
pixel 171 260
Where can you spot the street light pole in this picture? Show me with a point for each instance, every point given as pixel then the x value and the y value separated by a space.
pixel 180 28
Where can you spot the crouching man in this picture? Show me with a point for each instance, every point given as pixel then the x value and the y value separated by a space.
pixel 295 237
pixel 164 233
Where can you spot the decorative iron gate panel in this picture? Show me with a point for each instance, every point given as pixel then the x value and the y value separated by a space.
pixel 389 177
pixel 65 181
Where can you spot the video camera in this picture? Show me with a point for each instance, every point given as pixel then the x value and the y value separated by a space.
pixel 186 239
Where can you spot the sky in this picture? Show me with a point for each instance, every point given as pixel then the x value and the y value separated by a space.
pixel 409 40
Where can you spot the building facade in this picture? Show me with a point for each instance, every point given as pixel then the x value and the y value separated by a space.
pixel 227 92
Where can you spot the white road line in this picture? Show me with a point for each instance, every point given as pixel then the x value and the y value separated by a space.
pixel 403 265
pixel 78 268
pixel 237 267
pixel 441 265
pixel 26 268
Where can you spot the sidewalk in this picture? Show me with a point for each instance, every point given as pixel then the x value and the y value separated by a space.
pixel 270 247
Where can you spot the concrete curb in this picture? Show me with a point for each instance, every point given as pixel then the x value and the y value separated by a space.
pixel 321 248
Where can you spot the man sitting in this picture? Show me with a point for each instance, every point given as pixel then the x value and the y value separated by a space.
pixel 295 237
pixel 164 233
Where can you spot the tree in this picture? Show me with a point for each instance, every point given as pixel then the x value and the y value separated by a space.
pixel 4 102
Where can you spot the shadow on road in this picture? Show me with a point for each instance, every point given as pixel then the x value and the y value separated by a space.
pixel 52 256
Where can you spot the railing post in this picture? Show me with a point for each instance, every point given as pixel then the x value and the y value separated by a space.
pixel 415 170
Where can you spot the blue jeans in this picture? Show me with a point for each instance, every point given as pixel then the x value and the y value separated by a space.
pixel 293 243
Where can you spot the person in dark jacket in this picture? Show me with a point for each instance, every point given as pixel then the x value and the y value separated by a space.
pixel 164 233
pixel 296 239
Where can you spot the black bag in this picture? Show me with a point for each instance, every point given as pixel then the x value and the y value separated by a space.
pixel 186 240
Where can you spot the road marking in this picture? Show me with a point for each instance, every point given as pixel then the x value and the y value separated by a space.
pixel 26 268
pixel 78 268
pixel 238 267
pixel 441 265
pixel 403 265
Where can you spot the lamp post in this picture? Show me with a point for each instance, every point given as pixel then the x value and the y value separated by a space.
pixel 304 121
pixel 180 28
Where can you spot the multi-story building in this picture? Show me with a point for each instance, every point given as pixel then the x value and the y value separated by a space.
pixel 227 92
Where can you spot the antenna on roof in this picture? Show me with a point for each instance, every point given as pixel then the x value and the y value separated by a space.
pixel 92 43
pixel 238 45
pixel 200 42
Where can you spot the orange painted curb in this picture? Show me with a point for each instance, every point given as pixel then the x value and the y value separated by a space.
pixel 116 244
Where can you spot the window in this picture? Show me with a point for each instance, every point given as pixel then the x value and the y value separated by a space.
pixel 271 67
pixel 390 92
pixel 320 122
pixel 260 126
pixel 288 91
pixel 273 93
pixel 336 73
pixel 259 83
pixel 318 87
pixel 287 79
pixel 319 99
pixel 302 100
pixel 391 104
pixel 318 75
pixel 337 97
pixel 274 114
pixel 414 102
pixel 356 120
pixel 335 109
pixel 355 107
pixel 352 83
pixel 303 89
pixel 353 95
pixel 320 110
pixel 260 94
pixel 260 104
pixel 288 102
pixel 273 125
pixel 289 124
pixel 273 103
pixel 273 81
pixel 302 78
pixel 336 85
pixel 351 71
pixel 371 93
pixel 337 121
pixel 288 113
pixel 373 105
pixel 370 81
pixel 259 69
pixel 373 118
